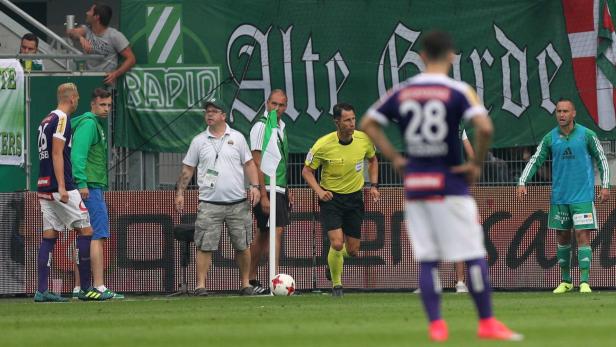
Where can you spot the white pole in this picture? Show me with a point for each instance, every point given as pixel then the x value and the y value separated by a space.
pixel 272 232
pixel 28 158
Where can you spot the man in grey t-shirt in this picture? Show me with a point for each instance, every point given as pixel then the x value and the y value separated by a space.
pixel 98 38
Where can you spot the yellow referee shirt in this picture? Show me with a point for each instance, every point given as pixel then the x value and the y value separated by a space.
pixel 343 165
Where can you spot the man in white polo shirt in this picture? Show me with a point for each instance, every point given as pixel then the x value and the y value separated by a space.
pixel 222 158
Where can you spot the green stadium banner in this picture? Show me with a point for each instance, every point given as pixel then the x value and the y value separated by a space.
pixel 12 112
pixel 521 56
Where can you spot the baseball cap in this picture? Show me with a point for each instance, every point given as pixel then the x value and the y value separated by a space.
pixel 217 103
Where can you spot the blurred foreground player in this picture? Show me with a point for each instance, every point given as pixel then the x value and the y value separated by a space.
pixel 441 217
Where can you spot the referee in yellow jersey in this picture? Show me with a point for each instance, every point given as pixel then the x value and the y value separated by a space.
pixel 341 156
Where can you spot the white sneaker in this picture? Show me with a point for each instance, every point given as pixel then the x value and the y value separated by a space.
pixel 417 291
pixel 461 287
pixel 76 291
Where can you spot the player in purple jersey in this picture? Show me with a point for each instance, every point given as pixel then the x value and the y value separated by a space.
pixel 61 204
pixel 441 216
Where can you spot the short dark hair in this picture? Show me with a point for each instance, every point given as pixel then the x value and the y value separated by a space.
pixel 563 99
pixel 100 93
pixel 30 37
pixel 436 44
pixel 104 13
pixel 342 106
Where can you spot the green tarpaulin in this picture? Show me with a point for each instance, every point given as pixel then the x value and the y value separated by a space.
pixel 521 56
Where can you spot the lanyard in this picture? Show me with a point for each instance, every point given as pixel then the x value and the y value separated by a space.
pixel 217 147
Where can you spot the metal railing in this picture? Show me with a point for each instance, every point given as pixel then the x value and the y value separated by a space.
pixel 496 171
pixel 72 56
pixel 55 37
pixel 63 52
pixel 503 167
pixel 77 60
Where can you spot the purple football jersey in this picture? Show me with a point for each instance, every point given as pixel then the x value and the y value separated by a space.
pixel 428 109
pixel 57 124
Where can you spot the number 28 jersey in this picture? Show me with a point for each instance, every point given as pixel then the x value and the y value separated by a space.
pixel 428 109
pixel 55 125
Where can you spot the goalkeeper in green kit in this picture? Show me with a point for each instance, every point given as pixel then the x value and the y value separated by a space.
pixel 573 148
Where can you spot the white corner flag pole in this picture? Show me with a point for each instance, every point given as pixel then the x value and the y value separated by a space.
pixel 272 232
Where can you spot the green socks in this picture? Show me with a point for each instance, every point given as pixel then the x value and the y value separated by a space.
pixel 584 258
pixel 563 254
pixel 335 260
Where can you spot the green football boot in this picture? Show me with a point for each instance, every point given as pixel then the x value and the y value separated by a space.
pixel 585 288
pixel 48 296
pixel 76 294
pixel 94 294
pixel 113 294
pixel 563 287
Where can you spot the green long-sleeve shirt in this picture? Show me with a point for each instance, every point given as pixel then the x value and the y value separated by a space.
pixel 573 176
pixel 89 151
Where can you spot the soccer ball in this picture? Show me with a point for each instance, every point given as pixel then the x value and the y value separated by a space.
pixel 283 285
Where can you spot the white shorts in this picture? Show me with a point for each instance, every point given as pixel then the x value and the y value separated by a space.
pixel 58 215
pixel 446 229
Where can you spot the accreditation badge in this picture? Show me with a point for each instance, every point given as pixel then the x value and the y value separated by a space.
pixel 211 176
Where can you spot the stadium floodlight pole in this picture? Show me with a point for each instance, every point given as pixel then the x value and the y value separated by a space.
pixel 272 231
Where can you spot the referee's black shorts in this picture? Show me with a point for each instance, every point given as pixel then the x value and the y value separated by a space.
pixel 344 211
pixel 282 213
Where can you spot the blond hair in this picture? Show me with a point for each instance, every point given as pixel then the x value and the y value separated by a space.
pixel 66 90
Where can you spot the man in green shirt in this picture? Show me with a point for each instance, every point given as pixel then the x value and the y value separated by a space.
pixel 89 155
pixel 573 148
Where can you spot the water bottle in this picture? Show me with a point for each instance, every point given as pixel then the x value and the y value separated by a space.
pixel 70 21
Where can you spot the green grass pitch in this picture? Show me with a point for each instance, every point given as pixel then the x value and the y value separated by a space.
pixel 374 319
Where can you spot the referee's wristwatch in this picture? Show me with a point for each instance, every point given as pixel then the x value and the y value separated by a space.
pixel 374 185
pixel 258 186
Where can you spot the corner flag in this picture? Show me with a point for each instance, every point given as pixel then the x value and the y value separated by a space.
pixel 270 157
pixel 270 151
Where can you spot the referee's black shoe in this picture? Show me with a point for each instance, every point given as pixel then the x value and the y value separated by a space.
pixel 337 292
pixel 258 288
